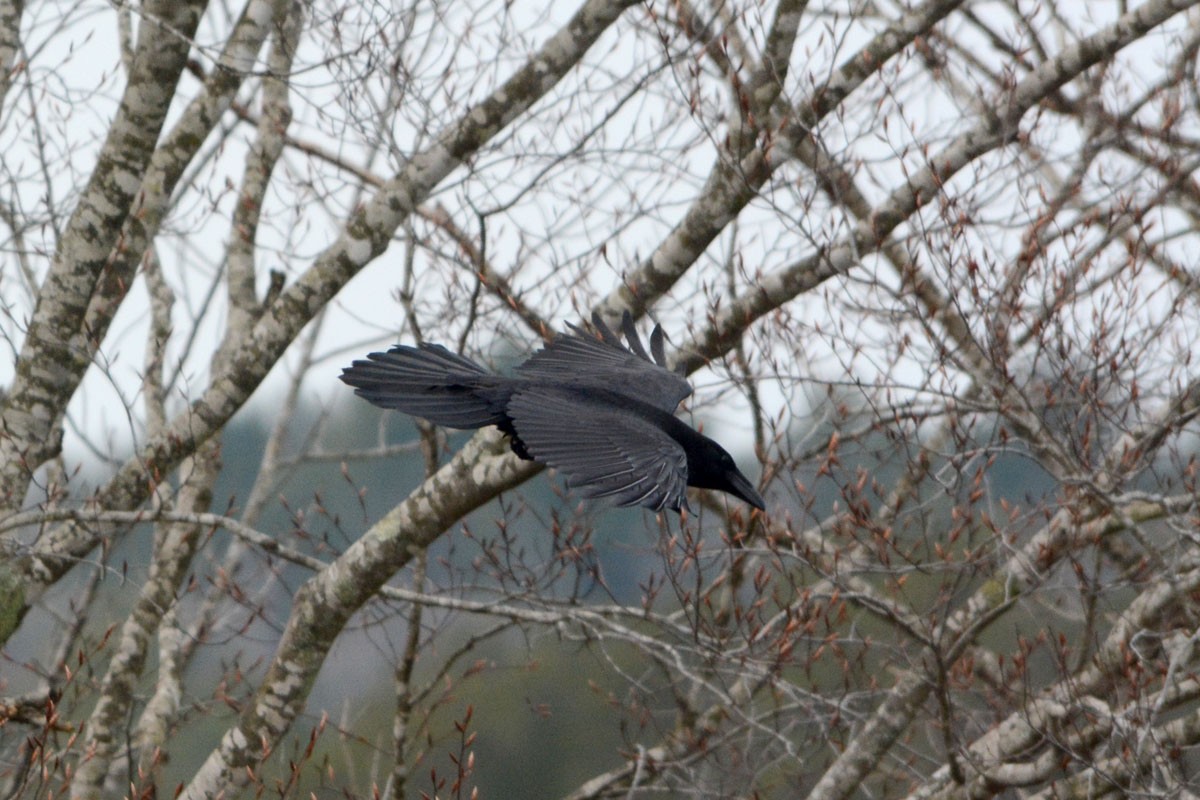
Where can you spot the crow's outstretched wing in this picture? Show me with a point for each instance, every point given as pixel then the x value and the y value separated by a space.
pixel 604 451
pixel 581 360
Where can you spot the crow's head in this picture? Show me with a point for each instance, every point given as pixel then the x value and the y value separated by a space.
pixel 711 467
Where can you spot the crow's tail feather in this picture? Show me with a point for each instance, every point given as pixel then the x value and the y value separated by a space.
pixel 430 382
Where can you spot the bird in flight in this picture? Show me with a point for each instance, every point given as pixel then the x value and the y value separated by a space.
pixel 601 413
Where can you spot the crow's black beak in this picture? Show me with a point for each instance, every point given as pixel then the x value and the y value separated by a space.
pixel 743 488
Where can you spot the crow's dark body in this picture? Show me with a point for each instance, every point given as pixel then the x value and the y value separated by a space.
pixel 589 407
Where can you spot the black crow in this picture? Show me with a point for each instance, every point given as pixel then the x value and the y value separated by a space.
pixel 587 406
